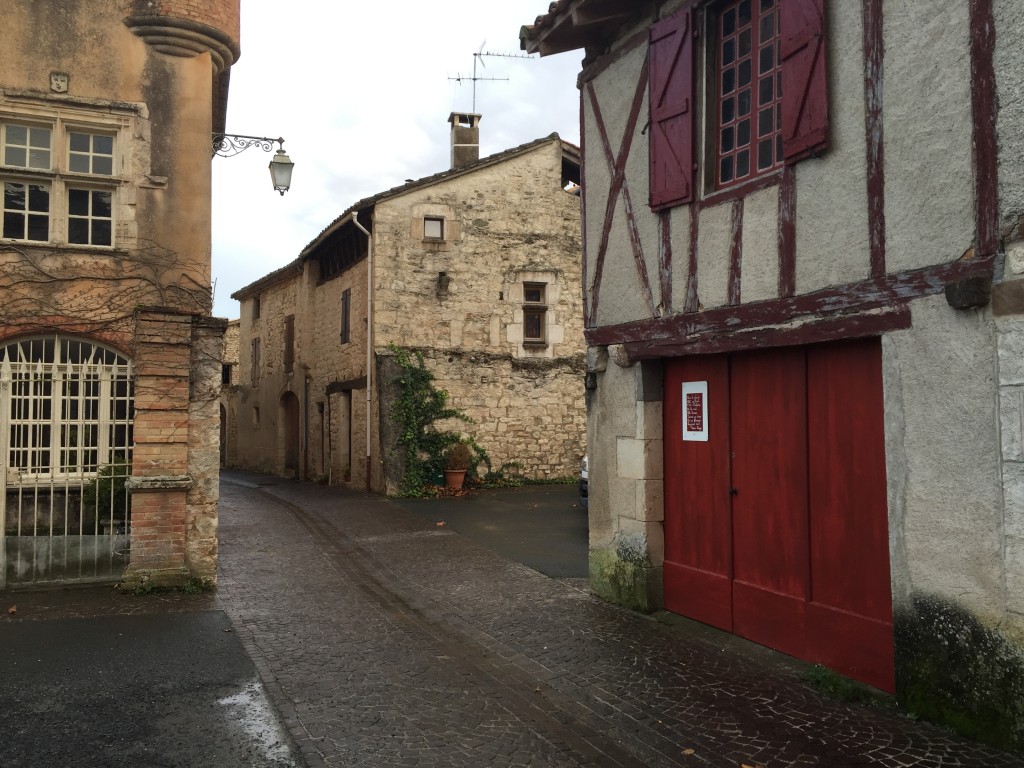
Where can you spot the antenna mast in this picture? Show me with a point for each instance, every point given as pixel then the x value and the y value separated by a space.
pixel 478 57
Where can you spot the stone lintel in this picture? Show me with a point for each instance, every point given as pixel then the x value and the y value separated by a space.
pixel 146 484
pixel 162 577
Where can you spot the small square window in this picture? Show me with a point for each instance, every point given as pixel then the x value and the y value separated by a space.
pixel 26 146
pixel 26 211
pixel 433 228
pixel 90 217
pixel 91 153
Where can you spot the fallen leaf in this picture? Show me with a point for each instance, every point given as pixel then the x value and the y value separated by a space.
pixel 687 751
pixel 439 523
pixel 13 609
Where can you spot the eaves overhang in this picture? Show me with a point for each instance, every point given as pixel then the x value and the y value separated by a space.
pixel 572 24
pixel 288 271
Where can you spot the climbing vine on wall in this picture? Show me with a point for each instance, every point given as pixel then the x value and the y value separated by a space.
pixel 416 410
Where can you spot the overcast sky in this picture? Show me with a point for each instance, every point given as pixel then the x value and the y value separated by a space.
pixel 361 94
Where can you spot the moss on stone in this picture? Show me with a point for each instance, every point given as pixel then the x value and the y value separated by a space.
pixel 634 584
pixel 952 669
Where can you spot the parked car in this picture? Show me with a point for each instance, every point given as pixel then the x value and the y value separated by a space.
pixel 584 477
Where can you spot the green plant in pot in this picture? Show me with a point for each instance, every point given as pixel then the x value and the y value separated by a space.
pixel 457 461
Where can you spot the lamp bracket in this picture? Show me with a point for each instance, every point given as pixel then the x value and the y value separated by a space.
pixel 231 144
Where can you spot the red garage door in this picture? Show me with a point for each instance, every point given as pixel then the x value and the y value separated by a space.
pixel 775 503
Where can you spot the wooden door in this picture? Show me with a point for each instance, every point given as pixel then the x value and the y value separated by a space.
pixel 776 528
pixel 850 608
pixel 769 502
pixel 698 530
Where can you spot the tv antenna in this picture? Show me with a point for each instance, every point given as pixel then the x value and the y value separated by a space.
pixel 478 57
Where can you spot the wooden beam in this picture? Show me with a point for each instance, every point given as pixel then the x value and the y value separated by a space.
pixel 859 297
pixel 812 331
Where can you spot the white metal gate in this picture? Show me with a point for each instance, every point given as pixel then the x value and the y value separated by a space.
pixel 66 437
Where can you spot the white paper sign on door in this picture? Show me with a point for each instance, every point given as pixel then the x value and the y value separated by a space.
pixel 695 411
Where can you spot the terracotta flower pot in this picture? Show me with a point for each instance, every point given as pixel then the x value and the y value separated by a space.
pixel 454 478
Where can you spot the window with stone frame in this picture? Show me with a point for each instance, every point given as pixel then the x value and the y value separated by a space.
pixel 535 311
pixel 61 197
pixel 346 315
pixel 255 360
pixel 433 228
pixel 289 343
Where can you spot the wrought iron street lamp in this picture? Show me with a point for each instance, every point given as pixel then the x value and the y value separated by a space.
pixel 231 144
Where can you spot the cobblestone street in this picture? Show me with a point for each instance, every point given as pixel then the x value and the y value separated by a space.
pixel 387 640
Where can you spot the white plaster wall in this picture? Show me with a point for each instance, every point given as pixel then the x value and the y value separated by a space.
pixel 1009 64
pixel 680 231
pixel 942 457
pixel 597 178
pixel 615 89
pixel 832 244
pixel 714 246
pixel 929 192
pixel 760 265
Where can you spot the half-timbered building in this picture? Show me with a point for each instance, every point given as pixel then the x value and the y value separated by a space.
pixel 803 306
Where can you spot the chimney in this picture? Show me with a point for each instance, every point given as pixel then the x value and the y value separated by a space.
pixel 465 138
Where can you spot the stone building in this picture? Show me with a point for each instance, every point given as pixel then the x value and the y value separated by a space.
pixel 109 361
pixel 477 268
pixel 805 316
pixel 228 385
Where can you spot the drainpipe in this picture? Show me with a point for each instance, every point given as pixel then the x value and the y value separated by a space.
pixel 369 337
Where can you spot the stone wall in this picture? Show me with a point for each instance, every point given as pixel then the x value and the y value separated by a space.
pixel 460 302
pixel 524 412
pixel 105 64
pixel 259 417
pixel 458 298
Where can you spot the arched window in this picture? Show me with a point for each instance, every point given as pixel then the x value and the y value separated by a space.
pixel 65 409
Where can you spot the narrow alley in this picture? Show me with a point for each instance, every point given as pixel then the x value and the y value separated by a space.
pixel 385 639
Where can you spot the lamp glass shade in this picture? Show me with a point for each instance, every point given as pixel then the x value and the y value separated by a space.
pixel 281 171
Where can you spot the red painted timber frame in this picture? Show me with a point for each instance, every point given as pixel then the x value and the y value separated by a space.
pixel 877 304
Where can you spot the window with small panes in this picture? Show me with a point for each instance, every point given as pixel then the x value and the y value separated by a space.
pixel 535 311
pixel 765 80
pixel 748 90
pixel 58 183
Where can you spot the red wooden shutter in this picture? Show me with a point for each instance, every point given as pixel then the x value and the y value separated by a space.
pixel 670 99
pixel 804 78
